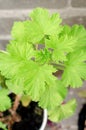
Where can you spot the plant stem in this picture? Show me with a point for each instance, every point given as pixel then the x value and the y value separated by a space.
pixel 59 66
pixel 2 81
pixel 36 46
pixel 16 102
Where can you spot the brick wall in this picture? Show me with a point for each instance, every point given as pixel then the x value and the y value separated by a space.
pixel 72 12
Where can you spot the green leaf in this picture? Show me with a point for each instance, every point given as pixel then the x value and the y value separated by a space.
pixel 75 69
pixel 20 31
pixel 35 33
pixel 43 24
pixel 19 50
pixel 66 30
pixel 70 39
pixel 16 55
pixel 3 126
pixel 63 111
pixel 53 95
pixel 42 56
pixel 77 33
pixel 35 78
pixel 61 46
pixel 9 65
pixel 15 85
pixel 5 102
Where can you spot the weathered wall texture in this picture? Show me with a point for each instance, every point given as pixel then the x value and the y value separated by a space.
pixel 72 12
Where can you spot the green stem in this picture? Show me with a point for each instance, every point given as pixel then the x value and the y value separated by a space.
pixel 2 81
pixel 36 46
pixel 59 66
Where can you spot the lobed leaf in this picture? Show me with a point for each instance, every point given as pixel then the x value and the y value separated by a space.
pixel 35 78
pixel 61 46
pixel 43 24
pixel 16 55
pixel 53 95
pixel 75 69
pixel 63 111
pixel 5 102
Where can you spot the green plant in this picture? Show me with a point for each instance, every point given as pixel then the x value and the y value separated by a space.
pixel 27 69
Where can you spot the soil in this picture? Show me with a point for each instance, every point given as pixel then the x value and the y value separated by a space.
pixel 27 118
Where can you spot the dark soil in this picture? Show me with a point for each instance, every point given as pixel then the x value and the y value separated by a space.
pixel 31 116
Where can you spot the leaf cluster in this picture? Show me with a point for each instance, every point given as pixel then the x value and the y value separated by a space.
pixel 39 47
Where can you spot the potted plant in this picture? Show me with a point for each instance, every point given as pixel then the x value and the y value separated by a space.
pixel 39 49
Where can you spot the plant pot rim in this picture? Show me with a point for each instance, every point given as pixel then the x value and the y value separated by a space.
pixel 44 122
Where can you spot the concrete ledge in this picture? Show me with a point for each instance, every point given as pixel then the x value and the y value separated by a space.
pixel 28 4
pixel 65 13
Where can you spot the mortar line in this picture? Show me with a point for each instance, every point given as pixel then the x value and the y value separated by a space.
pixel 5 37
pixel 24 13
